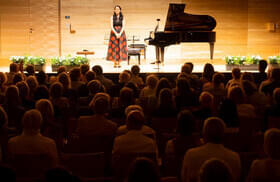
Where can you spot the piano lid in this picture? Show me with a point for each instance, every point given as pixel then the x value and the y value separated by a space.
pixel 178 20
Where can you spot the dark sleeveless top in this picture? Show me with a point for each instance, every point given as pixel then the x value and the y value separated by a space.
pixel 117 22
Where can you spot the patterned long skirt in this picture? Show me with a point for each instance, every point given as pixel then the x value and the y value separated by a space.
pixel 117 48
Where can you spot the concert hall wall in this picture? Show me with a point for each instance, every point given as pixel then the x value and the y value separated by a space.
pixel 242 26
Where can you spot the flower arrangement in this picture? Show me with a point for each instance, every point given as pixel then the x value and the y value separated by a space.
pixel 242 60
pixel 69 61
pixel 28 60
pixel 274 59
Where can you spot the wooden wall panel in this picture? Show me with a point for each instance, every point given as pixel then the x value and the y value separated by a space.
pixel 241 26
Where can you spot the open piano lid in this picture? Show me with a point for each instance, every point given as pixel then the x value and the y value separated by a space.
pixel 177 20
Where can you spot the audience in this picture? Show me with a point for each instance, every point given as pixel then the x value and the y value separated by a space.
pixel 135 78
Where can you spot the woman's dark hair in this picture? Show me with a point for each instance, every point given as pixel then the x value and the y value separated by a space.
pixel 163 83
pixel 208 71
pixel 115 16
pixel 183 86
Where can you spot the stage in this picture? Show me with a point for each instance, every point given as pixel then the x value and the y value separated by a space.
pixel 170 66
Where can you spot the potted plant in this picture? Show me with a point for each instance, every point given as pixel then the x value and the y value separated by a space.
pixel 274 61
pixel 38 62
pixel 68 61
pixel 242 62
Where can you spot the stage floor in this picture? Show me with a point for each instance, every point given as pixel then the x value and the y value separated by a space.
pixel 170 66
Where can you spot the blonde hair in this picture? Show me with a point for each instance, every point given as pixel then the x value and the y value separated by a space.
pixel 46 108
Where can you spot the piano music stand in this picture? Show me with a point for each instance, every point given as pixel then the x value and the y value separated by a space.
pixel 85 53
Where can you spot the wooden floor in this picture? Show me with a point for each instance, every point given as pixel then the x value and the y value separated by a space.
pixel 170 66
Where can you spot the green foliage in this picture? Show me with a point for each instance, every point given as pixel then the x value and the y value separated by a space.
pixel 274 59
pixel 28 60
pixel 69 61
pixel 241 60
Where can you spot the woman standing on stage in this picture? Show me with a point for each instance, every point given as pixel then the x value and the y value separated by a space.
pixel 117 48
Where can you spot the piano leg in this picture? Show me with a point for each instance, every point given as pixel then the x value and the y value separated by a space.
pixel 157 54
pixel 211 50
pixel 161 55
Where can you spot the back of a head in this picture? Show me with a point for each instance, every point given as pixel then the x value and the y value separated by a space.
pixel 215 170
pixel 45 107
pixel 56 90
pixel 64 79
pixel 143 170
pixel 247 76
pixel 84 69
pixel 271 143
pixel 100 105
pixel 275 74
pixel 75 74
pixel 165 97
pixel 248 87
pixel 152 81
pixel 208 71
pixel 90 75
pixel 126 96
pixel 97 69
pixel 185 123
pixel 14 68
pixel 94 86
pixel 42 92
pixel 236 94
pixel 135 69
pixel 262 65
pixel 276 95
pixel 206 99
pixel 163 83
pixel 218 78
pixel 183 86
pixel 12 94
pixel 236 73
pixel 23 89
pixel 124 77
pixel 61 69
pixel 30 69
pixel 32 121
pixel 135 120
pixel 41 77
pixel 3 78
pixel 130 108
pixel 213 130
pixel 186 68
pixel 32 82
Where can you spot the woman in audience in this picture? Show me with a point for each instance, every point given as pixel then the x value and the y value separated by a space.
pixel 13 107
pixel 23 88
pixel 268 169
pixel 64 79
pixel 150 88
pixel 237 95
pixel 33 84
pixel 94 87
pixel 143 169
pixel 135 78
pixel 18 77
pixel 84 69
pixel 42 92
pixel 162 83
pixel 215 170
pixel 14 68
pixel 31 141
pixel 208 72
pixel 166 106
pixel 184 95
pixel 61 69
pixel 90 75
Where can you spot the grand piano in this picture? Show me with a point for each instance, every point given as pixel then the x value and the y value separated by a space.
pixel 183 27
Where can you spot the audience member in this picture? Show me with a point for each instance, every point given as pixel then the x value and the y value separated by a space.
pixel 135 78
pixel 236 74
pixel 261 76
pixel 208 72
pixel 99 76
pixel 30 69
pixel 213 132
pixel 3 81
pixel 162 83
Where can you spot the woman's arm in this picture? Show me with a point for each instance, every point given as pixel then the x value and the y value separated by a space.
pixel 123 26
pixel 112 26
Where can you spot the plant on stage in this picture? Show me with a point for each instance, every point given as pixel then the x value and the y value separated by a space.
pixel 69 61
pixel 28 60
pixel 241 60
pixel 274 59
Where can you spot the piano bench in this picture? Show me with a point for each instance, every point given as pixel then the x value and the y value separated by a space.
pixel 133 52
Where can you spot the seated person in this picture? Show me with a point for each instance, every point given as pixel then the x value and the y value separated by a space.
pixel 31 141
pixel 134 141
pixel 213 132
pixel 267 169
pixel 146 130
pixel 97 124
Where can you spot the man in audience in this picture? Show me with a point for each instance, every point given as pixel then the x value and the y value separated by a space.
pixel 134 141
pixel 268 169
pixel 274 82
pixel 75 76
pixel 97 124
pixel 31 141
pixel 213 132
pixel 236 74
pixel 193 79
pixel 99 76
pixel 261 76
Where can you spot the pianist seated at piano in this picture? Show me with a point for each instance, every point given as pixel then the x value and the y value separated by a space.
pixel 182 27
